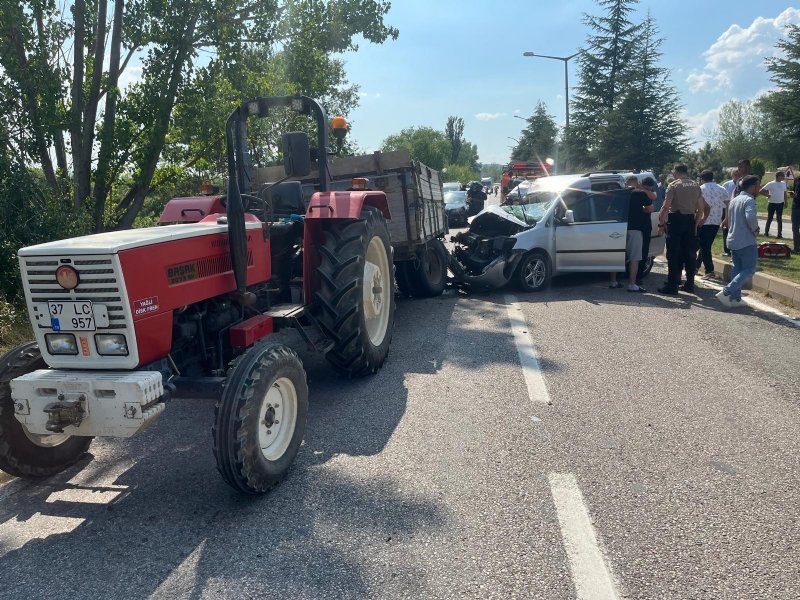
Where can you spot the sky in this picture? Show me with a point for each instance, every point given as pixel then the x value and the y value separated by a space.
pixel 464 58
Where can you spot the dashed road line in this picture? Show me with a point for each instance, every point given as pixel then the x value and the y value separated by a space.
pixel 590 573
pixel 528 357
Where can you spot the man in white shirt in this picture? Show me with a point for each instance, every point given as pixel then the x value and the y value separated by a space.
pixel 776 190
pixel 716 201
pixel 729 186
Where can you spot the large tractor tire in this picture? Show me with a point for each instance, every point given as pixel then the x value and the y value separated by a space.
pixel 26 454
pixel 428 275
pixel 354 305
pixel 260 419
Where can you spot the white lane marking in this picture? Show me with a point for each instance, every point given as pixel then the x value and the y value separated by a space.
pixel 590 573
pixel 528 358
pixel 757 305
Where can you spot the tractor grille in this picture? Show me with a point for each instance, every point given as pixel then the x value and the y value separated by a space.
pixel 100 280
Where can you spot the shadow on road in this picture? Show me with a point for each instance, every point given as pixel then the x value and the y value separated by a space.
pixel 151 516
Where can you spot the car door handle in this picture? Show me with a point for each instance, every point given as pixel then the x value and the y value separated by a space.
pixel 616 235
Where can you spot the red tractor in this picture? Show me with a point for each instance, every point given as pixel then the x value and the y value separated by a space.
pixel 126 320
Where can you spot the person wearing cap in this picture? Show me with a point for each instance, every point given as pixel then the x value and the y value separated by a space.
pixel 682 211
pixel 742 223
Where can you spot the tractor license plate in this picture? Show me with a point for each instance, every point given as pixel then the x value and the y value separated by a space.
pixel 71 316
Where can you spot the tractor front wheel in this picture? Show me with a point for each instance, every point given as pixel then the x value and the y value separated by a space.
pixel 22 453
pixel 260 419
pixel 354 305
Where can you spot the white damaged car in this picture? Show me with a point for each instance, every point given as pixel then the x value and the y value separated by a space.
pixel 565 224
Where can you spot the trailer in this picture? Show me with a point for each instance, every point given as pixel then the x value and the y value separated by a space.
pixel 417 223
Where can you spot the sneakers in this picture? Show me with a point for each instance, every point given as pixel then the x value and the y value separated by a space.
pixel 709 276
pixel 725 298
pixel 636 288
pixel 615 286
pixel 666 289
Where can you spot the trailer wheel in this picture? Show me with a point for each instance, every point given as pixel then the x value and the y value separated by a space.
pixel 26 454
pixel 533 272
pixel 354 305
pixel 428 277
pixel 260 419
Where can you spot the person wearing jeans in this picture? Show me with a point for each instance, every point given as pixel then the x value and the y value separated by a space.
pixel 742 222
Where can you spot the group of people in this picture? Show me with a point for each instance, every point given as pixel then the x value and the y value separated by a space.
pixel 691 215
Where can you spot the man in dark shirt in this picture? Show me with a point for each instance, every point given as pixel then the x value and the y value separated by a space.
pixel 640 207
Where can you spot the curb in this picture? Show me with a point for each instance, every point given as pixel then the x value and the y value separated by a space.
pixel 775 287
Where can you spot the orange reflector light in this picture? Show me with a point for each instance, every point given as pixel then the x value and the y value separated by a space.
pixel 338 123
pixel 359 183
pixel 67 277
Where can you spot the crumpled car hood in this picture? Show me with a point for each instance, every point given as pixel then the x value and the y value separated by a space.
pixel 499 220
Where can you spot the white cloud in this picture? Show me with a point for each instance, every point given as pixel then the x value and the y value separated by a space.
pixel 485 116
pixel 731 59
pixel 702 124
pixel 517 111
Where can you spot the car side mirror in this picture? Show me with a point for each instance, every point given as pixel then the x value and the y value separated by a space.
pixel 296 154
pixel 569 216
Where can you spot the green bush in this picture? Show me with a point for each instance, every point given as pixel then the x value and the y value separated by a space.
pixel 758 167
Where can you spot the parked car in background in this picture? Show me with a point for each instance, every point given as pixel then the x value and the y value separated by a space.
pixel 486 182
pixel 455 207
pixel 564 223
pixel 451 186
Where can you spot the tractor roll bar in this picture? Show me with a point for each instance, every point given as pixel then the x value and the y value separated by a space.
pixel 240 170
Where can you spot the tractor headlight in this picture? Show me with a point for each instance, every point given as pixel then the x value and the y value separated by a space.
pixel 61 343
pixel 108 344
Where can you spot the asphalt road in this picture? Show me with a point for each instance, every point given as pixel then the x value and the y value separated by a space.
pixel 659 459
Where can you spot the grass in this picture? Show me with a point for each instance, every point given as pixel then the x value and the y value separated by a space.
pixel 14 326
pixel 785 268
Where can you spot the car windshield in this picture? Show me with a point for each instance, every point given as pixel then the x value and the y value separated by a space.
pixel 451 198
pixel 533 206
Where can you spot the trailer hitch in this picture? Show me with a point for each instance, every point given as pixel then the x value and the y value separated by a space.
pixel 64 413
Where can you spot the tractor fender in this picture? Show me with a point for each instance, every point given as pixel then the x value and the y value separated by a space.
pixel 345 205
pixel 327 206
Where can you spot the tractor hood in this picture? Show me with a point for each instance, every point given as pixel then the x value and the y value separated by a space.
pixel 112 242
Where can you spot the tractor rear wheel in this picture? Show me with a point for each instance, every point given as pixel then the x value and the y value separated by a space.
pixel 354 305
pixel 260 419
pixel 26 454
pixel 428 275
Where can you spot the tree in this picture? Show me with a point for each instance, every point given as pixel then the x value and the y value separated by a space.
pixel 700 159
pixel 108 142
pixel 538 140
pixel 606 69
pixel 454 130
pixel 425 144
pixel 643 130
pixel 783 105
pixel 736 134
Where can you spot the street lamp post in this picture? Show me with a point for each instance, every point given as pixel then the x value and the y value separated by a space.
pixel 565 60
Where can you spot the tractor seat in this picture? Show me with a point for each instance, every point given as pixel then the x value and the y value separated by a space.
pixel 285 198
